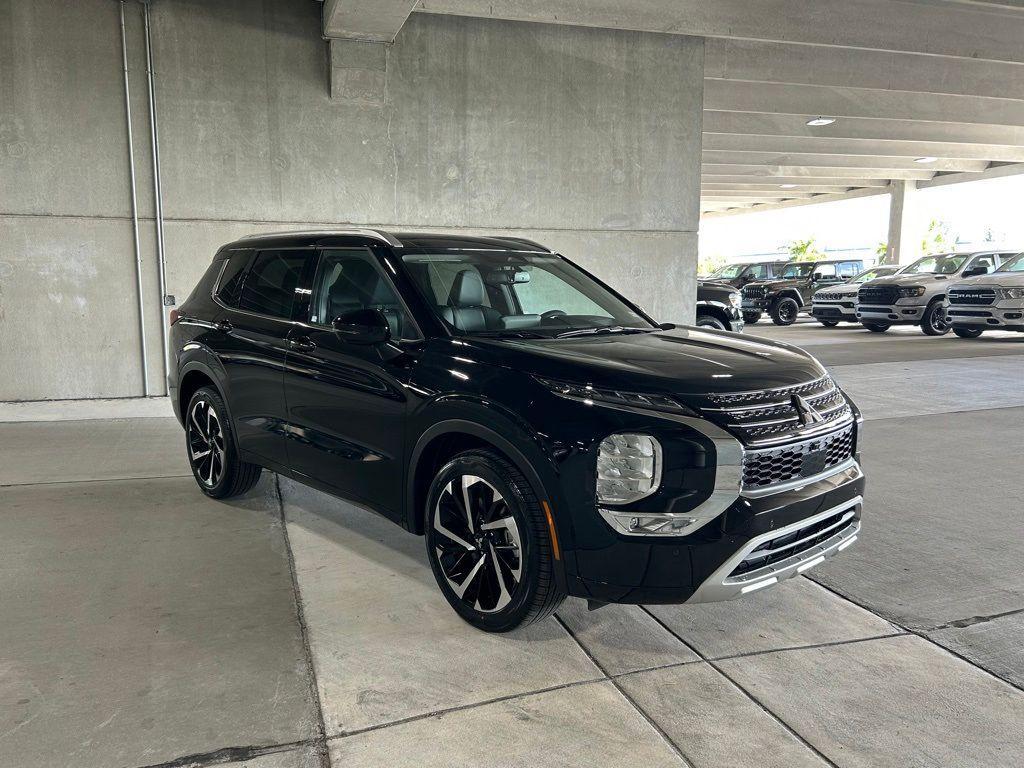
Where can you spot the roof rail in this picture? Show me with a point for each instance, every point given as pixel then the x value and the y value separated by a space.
pixel 524 241
pixel 376 234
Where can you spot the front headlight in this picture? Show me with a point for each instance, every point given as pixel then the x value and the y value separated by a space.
pixel 1010 293
pixel 589 395
pixel 628 468
pixel 735 299
pixel 907 292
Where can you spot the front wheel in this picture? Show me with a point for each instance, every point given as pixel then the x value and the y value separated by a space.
pixel 709 321
pixel 934 321
pixel 212 453
pixel 751 317
pixel 876 327
pixel 785 311
pixel 490 544
pixel 968 333
pixel 829 323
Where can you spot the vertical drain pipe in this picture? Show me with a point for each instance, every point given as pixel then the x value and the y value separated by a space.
pixel 135 206
pixel 165 300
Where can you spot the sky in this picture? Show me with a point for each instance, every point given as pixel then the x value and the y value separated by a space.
pixel 972 208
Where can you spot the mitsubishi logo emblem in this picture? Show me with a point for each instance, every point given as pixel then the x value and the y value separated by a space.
pixel 805 412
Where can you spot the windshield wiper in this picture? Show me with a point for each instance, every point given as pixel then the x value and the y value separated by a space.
pixel 605 329
pixel 511 334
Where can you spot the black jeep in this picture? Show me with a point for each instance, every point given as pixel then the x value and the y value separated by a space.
pixel 785 298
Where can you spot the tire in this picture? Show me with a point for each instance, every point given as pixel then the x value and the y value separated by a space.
pixel 934 322
pixel 751 317
pixel 784 311
pixel 211 448
pixel 829 323
pixel 710 321
pixel 466 558
pixel 876 327
pixel 968 333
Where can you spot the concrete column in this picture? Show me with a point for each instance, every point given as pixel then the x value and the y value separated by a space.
pixel 904 223
pixel 358 72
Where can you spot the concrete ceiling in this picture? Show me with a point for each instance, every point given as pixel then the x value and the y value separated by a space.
pixel 903 79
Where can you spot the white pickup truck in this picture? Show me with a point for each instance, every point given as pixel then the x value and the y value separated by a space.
pixel 988 302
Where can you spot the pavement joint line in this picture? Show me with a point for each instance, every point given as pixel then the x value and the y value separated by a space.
pixel 715 666
pixel 921 634
pixel 676 749
pixel 300 614
pixel 868 417
pixel 464 707
pixel 228 755
pixel 92 480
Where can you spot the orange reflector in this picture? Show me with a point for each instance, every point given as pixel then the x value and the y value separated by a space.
pixel 551 527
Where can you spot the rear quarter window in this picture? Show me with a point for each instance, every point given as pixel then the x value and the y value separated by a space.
pixel 230 288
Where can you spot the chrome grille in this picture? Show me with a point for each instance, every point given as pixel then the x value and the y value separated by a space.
pixel 771 416
pixel 972 296
pixel 766 468
pixel 878 294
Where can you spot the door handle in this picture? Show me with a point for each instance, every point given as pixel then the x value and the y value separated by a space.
pixel 302 342
pixel 223 325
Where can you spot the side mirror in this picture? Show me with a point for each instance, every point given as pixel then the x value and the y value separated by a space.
pixel 363 326
pixel 975 271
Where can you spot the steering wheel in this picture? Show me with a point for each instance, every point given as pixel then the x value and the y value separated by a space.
pixel 551 314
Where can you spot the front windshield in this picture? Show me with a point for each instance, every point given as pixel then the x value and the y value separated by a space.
pixel 728 272
pixel 871 274
pixel 942 264
pixel 796 270
pixel 518 294
pixel 1015 264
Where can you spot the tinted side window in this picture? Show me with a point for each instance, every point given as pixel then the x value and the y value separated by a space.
pixel 230 288
pixel 989 262
pixel 270 283
pixel 825 270
pixel 757 271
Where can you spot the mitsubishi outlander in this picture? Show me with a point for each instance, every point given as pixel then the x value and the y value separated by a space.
pixel 545 435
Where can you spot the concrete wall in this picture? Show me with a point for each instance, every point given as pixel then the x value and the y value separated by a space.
pixel 587 140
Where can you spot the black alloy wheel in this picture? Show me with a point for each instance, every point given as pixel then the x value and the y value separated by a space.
pixel 212 453
pixel 785 311
pixel 934 322
pixel 751 317
pixel 968 333
pixel 876 327
pixel 489 543
pixel 829 323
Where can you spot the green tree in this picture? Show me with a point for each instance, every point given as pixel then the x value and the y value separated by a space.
pixel 709 263
pixel 939 238
pixel 804 250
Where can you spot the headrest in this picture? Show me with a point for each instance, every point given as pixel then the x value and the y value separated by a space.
pixel 467 290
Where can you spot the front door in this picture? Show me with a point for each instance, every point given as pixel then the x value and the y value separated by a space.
pixel 346 402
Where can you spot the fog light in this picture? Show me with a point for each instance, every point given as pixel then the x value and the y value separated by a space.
pixel 653 524
pixel 628 468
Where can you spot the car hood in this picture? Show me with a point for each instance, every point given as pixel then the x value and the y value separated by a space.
pixel 1008 279
pixel 778 285
pixel 842 290
pixel 925 280
pixel 681 361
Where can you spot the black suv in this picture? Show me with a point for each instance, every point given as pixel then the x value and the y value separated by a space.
pixel 543 433
pixel 785 298
pixel 718 306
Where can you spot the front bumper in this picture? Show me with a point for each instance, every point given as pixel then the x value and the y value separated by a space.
pixel 893 314
pixel 834 310
pixel 754 305
pixel 1004 316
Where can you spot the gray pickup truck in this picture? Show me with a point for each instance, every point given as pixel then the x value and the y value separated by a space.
pixel 993 302
pixel 917 295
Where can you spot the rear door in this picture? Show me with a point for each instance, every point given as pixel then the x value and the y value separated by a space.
pixel 257 307
pixel 346 401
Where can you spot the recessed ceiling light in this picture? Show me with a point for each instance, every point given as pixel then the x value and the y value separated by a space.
pixel 787 186
pixel 821 121
pixel 925 159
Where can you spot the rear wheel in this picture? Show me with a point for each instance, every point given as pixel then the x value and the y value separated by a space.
pixel 751 317
pixel 784 311
pixel 710 321
pixel 876 327
pixel 934 321
pixel 489 543
pixel 829 323
pixel 968 333
pixel 212 452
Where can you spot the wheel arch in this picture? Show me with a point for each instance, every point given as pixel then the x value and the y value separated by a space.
pixel 194 375
pixel 715 311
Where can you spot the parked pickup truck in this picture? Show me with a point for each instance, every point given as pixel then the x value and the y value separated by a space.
pixel 838 304
pixel 718 306
pixel 784 299
pixel 988 302
pixel 917 294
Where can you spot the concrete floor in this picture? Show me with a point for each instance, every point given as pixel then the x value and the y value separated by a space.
pixel 142 624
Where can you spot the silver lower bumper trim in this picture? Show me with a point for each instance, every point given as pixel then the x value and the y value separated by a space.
pixel 720 586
